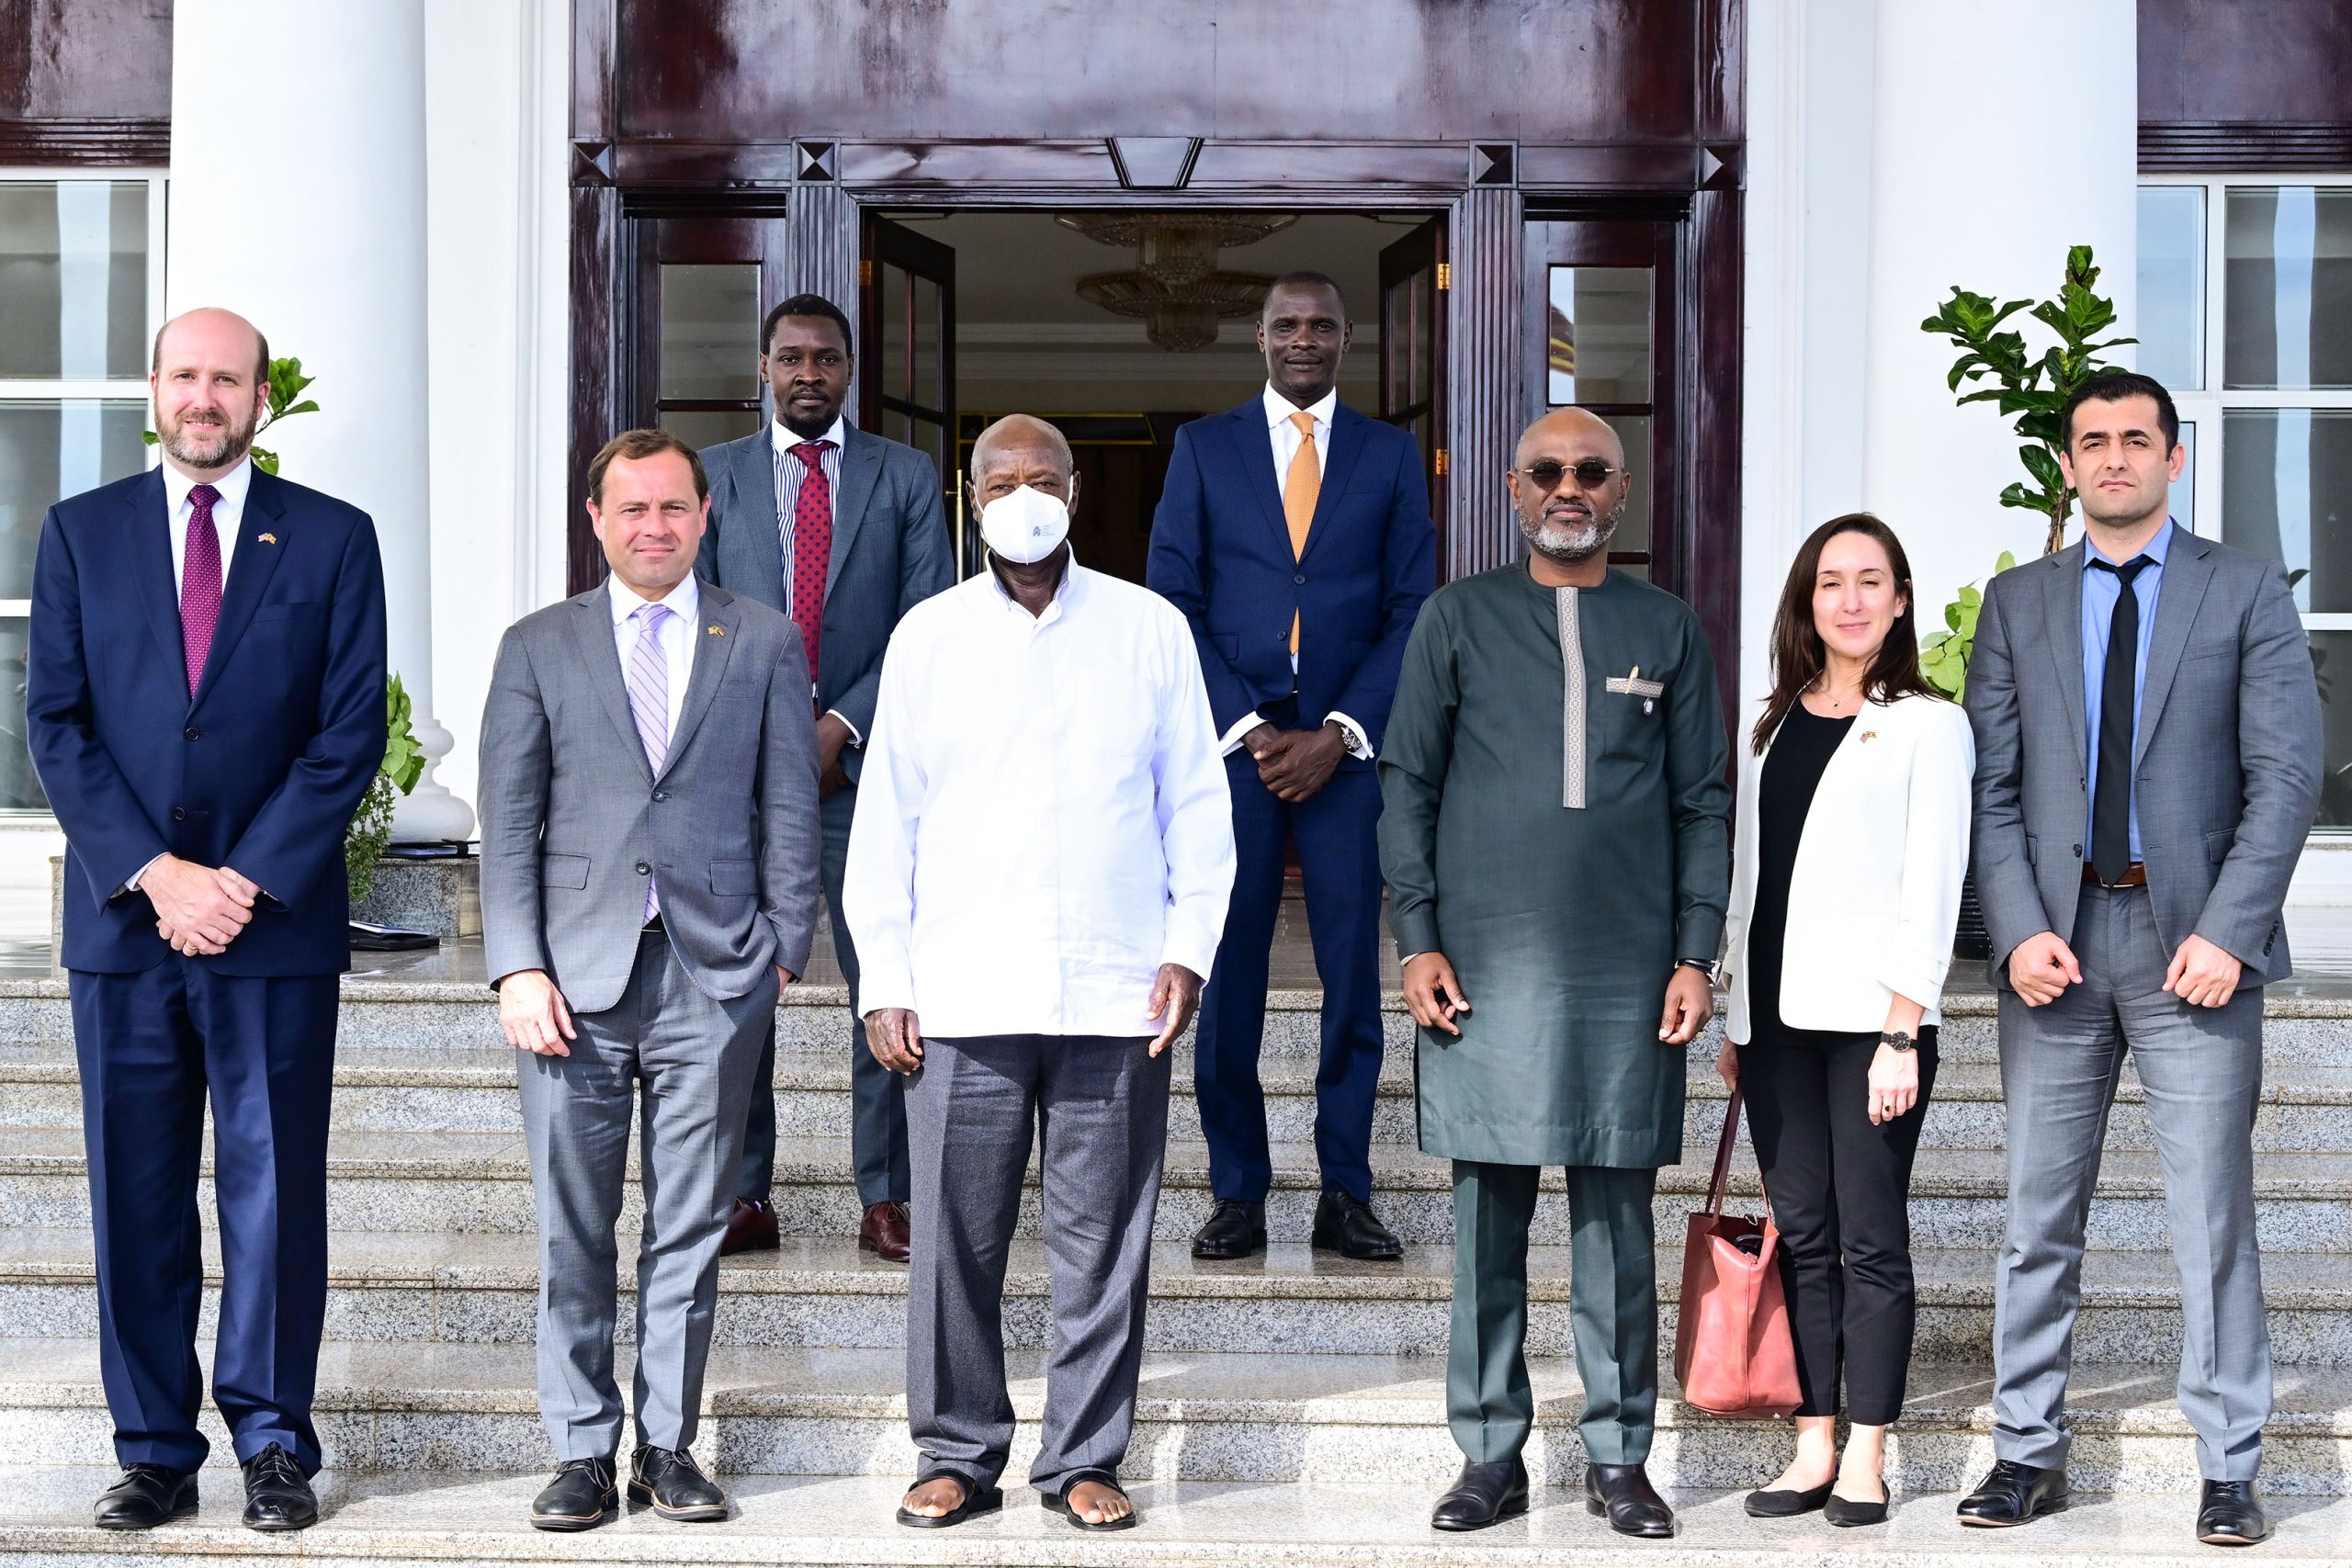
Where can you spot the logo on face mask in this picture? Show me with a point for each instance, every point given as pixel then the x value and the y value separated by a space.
pixel 1025 527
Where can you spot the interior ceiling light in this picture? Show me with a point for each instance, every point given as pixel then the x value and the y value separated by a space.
pixel 1178 319
pixel 1176 289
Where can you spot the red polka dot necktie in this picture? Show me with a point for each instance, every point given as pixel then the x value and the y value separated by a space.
pixel 199 584
pixel 812 544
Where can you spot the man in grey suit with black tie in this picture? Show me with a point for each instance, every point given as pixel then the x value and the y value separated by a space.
pixel 2147 767
pixel 844 532
pixel 648 850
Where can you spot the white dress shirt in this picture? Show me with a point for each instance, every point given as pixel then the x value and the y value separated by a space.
pixel 227 514
pixel 1042 820
pixel 1285 437
pixel 678 634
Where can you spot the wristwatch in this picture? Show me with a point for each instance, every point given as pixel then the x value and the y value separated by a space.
pixel 1898 1038
pixel 1706 966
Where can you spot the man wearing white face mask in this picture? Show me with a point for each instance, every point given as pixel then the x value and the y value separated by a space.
pixel 1037 880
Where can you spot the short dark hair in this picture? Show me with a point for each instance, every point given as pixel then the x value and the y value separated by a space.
pixel 635 446
pixel 261 369
pixel 2113 387
pixel 1307 277
pixel 806 305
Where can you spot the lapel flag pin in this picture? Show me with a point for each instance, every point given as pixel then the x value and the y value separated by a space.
pixel 1870 735
pixel 269 538
pixel 718 631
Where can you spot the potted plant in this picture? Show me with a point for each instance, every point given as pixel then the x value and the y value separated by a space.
pixel 372 824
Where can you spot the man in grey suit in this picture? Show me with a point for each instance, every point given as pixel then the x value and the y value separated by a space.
pixel 2147 766
pixel 649 849
pixel 844 532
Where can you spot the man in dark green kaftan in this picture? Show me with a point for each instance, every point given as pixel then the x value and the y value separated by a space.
pixel 1554 839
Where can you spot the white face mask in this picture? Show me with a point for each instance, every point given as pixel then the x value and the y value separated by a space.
pixel 1025 527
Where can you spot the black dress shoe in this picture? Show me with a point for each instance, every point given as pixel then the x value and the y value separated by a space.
pixel 1787 1505
pixel 2231 1514
pixel 1487 1493
pixel 1348 1227
pixel 2013 1494
pixel 583 1495
pixel 277 1494
pixel 670 1481
pixel 1622 1494
pixel 1234 1229
pixel 147 1495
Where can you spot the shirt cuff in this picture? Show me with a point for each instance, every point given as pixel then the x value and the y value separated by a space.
pixel 1231 740
pixel 132 885
pixel 855 738
pixel 1352 727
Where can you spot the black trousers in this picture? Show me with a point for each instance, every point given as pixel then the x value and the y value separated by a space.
pixel 1840 1192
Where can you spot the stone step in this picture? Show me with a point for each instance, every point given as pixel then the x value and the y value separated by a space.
pixel 825 1294
pixel 2305 1108
pixel 846 1522
pixel 1239 1417
pixel 480 1182
pixel 470 1517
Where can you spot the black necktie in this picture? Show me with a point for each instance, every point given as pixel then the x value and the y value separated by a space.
pixel 2119 699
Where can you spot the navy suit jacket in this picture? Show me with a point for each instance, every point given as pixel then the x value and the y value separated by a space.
pixel 1220 552
pixel 262 770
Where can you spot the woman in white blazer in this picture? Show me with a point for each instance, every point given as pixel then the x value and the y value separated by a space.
pixel 1852 840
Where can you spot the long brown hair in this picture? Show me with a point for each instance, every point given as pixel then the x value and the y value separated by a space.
pixel 1798 656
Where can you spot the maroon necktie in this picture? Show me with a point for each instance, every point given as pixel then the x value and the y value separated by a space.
pixel 199 584
pixel 812 544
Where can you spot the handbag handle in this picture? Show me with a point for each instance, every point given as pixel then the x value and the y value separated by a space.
pixel 1719 1185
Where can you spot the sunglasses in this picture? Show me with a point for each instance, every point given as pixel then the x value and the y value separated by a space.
pixel 1592 473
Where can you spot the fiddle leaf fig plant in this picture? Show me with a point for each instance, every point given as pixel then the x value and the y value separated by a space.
pixel 1943 655
pixel 371 826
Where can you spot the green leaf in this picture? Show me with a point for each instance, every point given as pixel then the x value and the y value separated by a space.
pixel 265 461
pixel 149 437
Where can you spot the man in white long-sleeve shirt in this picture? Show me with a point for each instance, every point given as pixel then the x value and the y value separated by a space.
pixel 1036 883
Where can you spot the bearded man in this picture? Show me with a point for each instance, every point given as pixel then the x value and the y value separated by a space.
pixel 1555 836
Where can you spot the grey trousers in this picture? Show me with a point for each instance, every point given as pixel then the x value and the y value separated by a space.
pixel 1612 1302
pixel 683 1062
pixel 878 1132
pixel 1099 1106
pixel 2202 1071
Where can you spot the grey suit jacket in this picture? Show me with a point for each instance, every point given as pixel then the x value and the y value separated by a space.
pixel 573 819
pixel 2226 762
pixel 890 553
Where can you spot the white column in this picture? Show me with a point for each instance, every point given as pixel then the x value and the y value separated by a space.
pixel 1982 171
pixel 298 200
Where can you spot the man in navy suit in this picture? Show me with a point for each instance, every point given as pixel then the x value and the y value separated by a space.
pixel 1296 535
pixel 205 702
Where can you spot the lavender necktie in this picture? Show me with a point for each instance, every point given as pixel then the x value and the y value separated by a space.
pixel 649 702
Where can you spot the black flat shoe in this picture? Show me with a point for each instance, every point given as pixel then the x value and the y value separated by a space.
pixel 1622 1494
pixel 976 1500
pixel 277 1494
pixel 1234 1229
pixel 1348 1227
pixel 2013 1494
pixel 1487 1493
pixel 147 1495
pixel 1849 1513
pixel 583 1495
pixel 1058 1502
pixel 2231 1514
pixel 1787 1505
pixel 670 1483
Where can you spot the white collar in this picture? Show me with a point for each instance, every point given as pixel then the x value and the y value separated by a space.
pixel 1063 601
pixel 785 441
pixel 232 485
pixel 685 601
pixel 1279 408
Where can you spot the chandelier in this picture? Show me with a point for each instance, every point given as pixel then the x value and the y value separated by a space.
pixel 1175 289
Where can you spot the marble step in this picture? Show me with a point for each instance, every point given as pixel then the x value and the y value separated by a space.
pixel 824 1293
pixel 471 1517
pixel 1236 1416
pixel 480 1182
pixel 2305 1108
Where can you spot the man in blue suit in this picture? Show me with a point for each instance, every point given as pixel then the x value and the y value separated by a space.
pixel 205 702
pixel 1296 535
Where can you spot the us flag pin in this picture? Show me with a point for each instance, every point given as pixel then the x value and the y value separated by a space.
pixel 718 631
pixel 269 538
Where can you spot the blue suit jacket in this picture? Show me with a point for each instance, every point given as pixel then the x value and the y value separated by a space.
pixel 1220 552
pixel 262 770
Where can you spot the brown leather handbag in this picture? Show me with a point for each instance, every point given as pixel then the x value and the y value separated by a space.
pixel 1732 1350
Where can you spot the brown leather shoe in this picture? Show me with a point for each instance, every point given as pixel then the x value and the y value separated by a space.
pixel 751 1228
pixel 884 1232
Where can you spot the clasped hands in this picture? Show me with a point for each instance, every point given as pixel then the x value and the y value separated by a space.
pixel 895 1034
pixel 1433 996
pixel 2200 974
pixel 198 910
pixel 1296 763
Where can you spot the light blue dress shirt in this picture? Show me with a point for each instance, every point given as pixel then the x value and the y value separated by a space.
pixel 2100 591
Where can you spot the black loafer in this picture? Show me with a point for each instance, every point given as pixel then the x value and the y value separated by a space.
pixel 1234 1229
pixel 1789 1504
pixel 1347 1226
pixel 583 1495
pixel 670 1483
pixel 277 1494
pixel 1487 1493
pixel 147 1495
pixel 2231 1514
pixel 1849 1513
pixel 2013 1494
pixel 1622 1494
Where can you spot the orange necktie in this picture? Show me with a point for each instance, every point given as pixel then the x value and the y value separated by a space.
pixel 1301 485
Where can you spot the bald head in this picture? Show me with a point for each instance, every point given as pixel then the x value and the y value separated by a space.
pixel 1021 440
pixel 209 328
pixel 210 379
pixel 1567 484
pixel 1563 430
